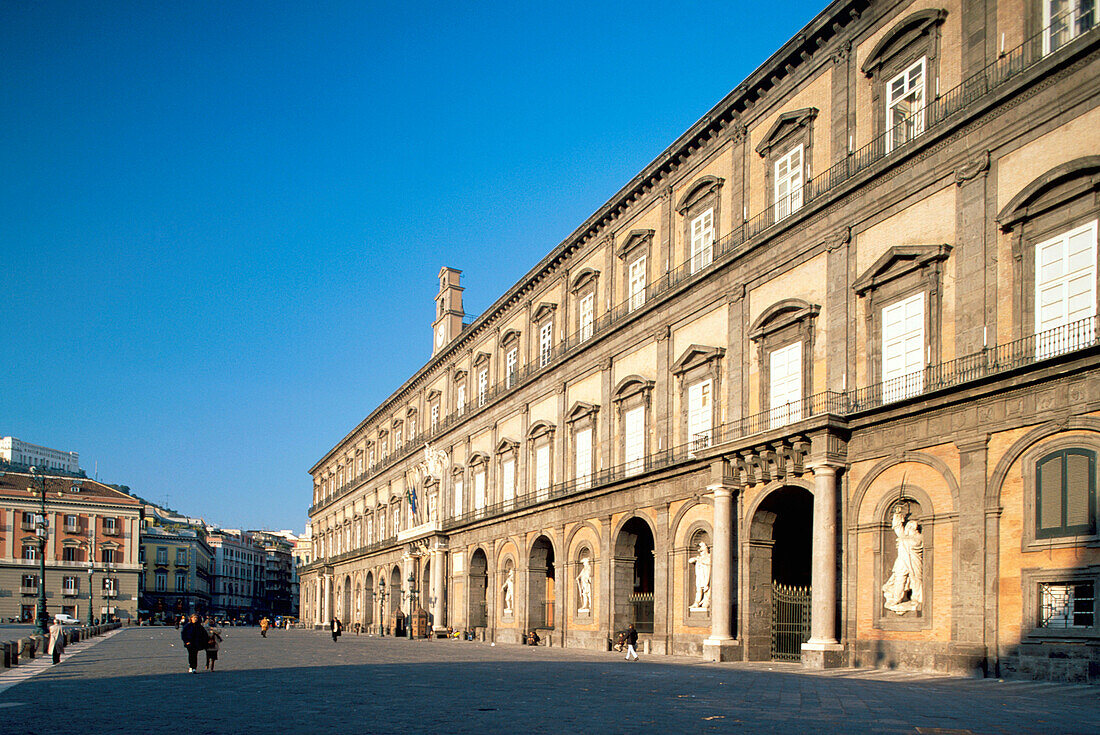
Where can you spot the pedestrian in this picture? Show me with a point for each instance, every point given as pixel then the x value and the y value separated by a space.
pixel 57 640
pixel 631 642
pixel 195 639
pixel 213 646
pixel 264 625
pixel 357 628
pixel 337 628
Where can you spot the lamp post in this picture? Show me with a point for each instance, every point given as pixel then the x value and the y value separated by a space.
pixel 381 608
pixel 412 603
pixel 41 530
pixel 91 601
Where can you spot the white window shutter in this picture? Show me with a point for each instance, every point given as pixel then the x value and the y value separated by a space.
pixel 785 374
pixel 903 345
pixel 699 414
pixel 634 435
pixel 508 468
pixel 583 442
pixel 542 468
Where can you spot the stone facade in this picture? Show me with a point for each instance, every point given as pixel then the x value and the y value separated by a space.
pixel 833 297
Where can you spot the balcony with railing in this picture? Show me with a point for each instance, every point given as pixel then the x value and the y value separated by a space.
pixel 1006 73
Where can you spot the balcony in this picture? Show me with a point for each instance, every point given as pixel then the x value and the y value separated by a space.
pixel 110 594
pixel 28 589
pixel 112 531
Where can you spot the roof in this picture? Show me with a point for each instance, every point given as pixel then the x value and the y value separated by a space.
pixel 62 488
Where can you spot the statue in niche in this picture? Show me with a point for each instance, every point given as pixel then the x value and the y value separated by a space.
pixel 584 585
pixel 904 591
pixel 509 589
pixel 702 578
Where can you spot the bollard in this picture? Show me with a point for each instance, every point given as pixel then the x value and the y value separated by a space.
pixel 645 646
pixel 4 651
pixel 13 653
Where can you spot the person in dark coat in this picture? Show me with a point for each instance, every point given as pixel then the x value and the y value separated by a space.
pixel 195 639
pixel 337 628
pixel 631 642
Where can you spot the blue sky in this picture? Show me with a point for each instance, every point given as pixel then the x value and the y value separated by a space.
pixel 221 222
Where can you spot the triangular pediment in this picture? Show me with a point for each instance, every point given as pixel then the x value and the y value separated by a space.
pixel 784 125
pixel 506 445
pixel 696 355
pixel 482 358
pixel 544 310
pixel 897 261
pixel 636 238
pixel 580 410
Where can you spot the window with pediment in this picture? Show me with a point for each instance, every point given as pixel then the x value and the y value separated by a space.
pixel 902 296
pixel 632 398
pixel 509 345
pixel 543 322
pixel 787 150
pixel 636 256
pixel 784 338
pixel 581 420
pixel 481 371
pixel 507 452
pixel 540 441
pixel 903 70
pixel 459 381
pixel 699 374
pixel 584 288
pixel 700 209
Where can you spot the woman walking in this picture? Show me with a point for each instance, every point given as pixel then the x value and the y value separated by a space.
pixel 195 639
pixel 57 640
pixel 213 646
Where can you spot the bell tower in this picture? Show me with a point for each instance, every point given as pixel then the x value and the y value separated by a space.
pixel 448 309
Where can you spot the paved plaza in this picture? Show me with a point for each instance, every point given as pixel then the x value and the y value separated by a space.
pixel 300 681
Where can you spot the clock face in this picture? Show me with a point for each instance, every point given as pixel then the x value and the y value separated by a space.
pixel 439 336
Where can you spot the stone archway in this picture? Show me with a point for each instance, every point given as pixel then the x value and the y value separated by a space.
pixel 346 609
pixel 395 594
pixel 368 600
pixel 780 562
pixel 632 573
pixel 540 584
pixel 479 584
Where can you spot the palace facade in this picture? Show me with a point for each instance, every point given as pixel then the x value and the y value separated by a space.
pixel 821 383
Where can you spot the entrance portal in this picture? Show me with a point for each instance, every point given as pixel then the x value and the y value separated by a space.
pixel 540 585
pixel 780 555
pixel 479 583
pixel 633 576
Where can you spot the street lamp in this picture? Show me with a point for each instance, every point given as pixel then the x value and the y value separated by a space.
pixel 91 571
pixel 381 608
pixel 41 530
pixel 412 603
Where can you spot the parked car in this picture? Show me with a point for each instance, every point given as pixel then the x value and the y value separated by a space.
pixel 66 619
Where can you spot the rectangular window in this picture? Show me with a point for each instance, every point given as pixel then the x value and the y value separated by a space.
pixel 1065 20
pixel 384 449
pixel 30 583
pixel 587 315
pixel 785 374
pixel 479 490
pixel 28 521
pixel 546 343
pixel 905 106
pixel 458 496
pixel 68 585
pixel 30 551
pixel 508 479
pixel 702 240
pixel 700 411
pixel 360 464
pixel 482 386
pixel 542 468
pixel 161 582
pixel 1065 291
pixel 412 430
pixel 903 348
pixel 1066 502
pixel 110 584
pixel 583 441
pixel 1064 606
pixel 637 281
pixel 181 557
pixel 396 438
pixel 634 440
pixel 162 555
pixel 181 582
pixel 370 457
pixel 70 553
pixel 110 526
pixel 435 417
pixel 72 524
pixel 460 400
pixel 108 556
pixel 788 183
pixel 510 367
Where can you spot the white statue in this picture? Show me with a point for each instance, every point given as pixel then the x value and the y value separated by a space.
pixel 508 589
pixel 435 463
pixel 702 578
pixel 584 586
pixel 904 589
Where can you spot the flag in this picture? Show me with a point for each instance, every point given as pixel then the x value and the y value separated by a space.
pixel 410 495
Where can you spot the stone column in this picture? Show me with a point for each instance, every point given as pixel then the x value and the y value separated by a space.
pixel 408 563
pixel 329 599
pixel 438 561
pixel 823 650
pixel 721 645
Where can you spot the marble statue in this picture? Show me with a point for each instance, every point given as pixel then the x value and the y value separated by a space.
pixel 435 463
pixel 702 578
pixel 584 586
pixel 904 591
pixel 509 589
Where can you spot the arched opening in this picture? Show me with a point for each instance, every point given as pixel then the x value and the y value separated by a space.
pixel 780 558
pixel 479 583
pixel 632 572
pixel 424 586
pixel 540 584
pixel 368 600
pixel 345 611
pixel 358 603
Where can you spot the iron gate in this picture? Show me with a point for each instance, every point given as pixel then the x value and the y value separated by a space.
pixel 790 621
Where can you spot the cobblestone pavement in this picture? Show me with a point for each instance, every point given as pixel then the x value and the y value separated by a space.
pixel 300 681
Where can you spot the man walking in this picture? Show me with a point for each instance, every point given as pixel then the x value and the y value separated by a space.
pixel 195 639
pixel 631 642
pixel 337 628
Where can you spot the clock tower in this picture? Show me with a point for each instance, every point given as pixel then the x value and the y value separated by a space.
pixel 448 310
